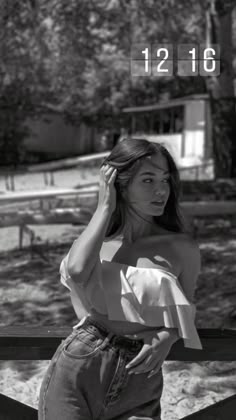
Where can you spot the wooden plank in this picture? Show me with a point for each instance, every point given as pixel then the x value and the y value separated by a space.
pixel 40 343
pixel 56 165
pixel 68 162
pixel 191 208
pixel 12 409
pixel 46 194
pixel 165 104
pixel 73 202
pixel 222 410
pixel 79 216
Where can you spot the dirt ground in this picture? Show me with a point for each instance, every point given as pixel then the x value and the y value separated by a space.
pixel 31 294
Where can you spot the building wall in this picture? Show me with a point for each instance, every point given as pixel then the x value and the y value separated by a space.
pixel 194 135
pixel 171 141
pixel 52 135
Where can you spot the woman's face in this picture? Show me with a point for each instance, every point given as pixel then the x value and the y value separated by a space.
pixel 149 190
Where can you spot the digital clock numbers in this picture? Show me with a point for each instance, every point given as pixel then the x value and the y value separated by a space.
pixel 167 59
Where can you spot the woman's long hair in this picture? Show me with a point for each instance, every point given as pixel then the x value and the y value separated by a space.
pixel 126 157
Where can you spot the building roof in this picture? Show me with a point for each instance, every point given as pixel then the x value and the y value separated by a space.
pixel 167 104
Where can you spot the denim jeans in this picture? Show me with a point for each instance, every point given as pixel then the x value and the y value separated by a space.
pixel 87 379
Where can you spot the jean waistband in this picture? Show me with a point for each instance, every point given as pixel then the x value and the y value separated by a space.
pixel 93 326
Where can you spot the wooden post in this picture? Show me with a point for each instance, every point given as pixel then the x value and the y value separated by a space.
pixel 12 409
pixel 12 180
pixel 223 410
pixel 45 177
pixel 52 178
pixel 21 236
pixel 6 181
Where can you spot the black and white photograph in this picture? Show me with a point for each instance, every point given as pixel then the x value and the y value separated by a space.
pixel 117 209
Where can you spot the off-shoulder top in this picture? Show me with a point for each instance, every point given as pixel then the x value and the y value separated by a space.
pixel 149 296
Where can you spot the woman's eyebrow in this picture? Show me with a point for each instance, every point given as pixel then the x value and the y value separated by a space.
pixel 154 173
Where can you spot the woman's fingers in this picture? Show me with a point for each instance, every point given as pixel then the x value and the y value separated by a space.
pixel 107 192
pixel 108 175
pixel 108 170
pixel 154 371
pixel 107 166
pixel 151 368
pixel 113 175
pixel 144 352
pixel 146 366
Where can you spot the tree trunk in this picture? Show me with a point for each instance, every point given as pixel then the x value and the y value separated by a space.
pixel 223 132
pixel 221 89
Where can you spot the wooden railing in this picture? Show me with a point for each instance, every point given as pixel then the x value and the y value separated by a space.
pixel 40 343
pixel 16 197
pixel 48 169
pixel 194 211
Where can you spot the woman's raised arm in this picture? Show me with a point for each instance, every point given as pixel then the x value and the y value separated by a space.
pixel 84 253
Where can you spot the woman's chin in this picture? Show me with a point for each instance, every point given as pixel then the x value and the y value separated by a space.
pixel 156 210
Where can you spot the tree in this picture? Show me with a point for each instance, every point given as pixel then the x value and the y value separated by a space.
pixel 221 89
pixel 73 55
pixel 14 110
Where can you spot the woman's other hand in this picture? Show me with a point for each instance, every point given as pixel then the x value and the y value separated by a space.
pixel 107 191
pixel 153 353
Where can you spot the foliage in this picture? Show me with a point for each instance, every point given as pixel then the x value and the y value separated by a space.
pixel 14 106
pixel 224 129
pixel 73 56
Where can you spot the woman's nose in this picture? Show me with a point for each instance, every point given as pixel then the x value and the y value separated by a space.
pixel 160 190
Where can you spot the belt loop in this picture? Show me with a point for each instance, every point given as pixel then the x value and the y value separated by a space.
pixel 107 340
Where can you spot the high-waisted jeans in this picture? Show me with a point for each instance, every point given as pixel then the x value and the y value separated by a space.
pixel 87 379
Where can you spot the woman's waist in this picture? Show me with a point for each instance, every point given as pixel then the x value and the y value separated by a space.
pixel 125 328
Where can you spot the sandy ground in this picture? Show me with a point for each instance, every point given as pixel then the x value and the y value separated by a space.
pixel 31 294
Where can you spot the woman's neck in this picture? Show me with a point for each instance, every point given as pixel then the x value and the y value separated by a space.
pixel 137 227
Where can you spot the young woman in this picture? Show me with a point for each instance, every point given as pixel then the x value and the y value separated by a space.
pixel 131 276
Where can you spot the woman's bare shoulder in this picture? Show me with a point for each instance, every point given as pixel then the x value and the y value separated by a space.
pixel 187 247
pixel 186 239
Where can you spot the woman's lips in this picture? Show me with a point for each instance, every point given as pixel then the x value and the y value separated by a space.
pixel 158 203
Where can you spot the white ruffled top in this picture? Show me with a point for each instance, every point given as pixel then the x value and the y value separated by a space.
pixel 149 296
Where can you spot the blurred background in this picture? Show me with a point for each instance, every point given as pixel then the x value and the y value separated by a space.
pixel 66 98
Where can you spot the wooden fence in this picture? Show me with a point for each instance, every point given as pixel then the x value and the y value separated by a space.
pixel 48 169
pixel 196 212
pixel 40 343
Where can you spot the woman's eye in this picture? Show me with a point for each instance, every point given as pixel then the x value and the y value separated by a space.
pixel 147 181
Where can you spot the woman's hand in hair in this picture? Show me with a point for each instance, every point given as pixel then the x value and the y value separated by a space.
pixel 107 191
